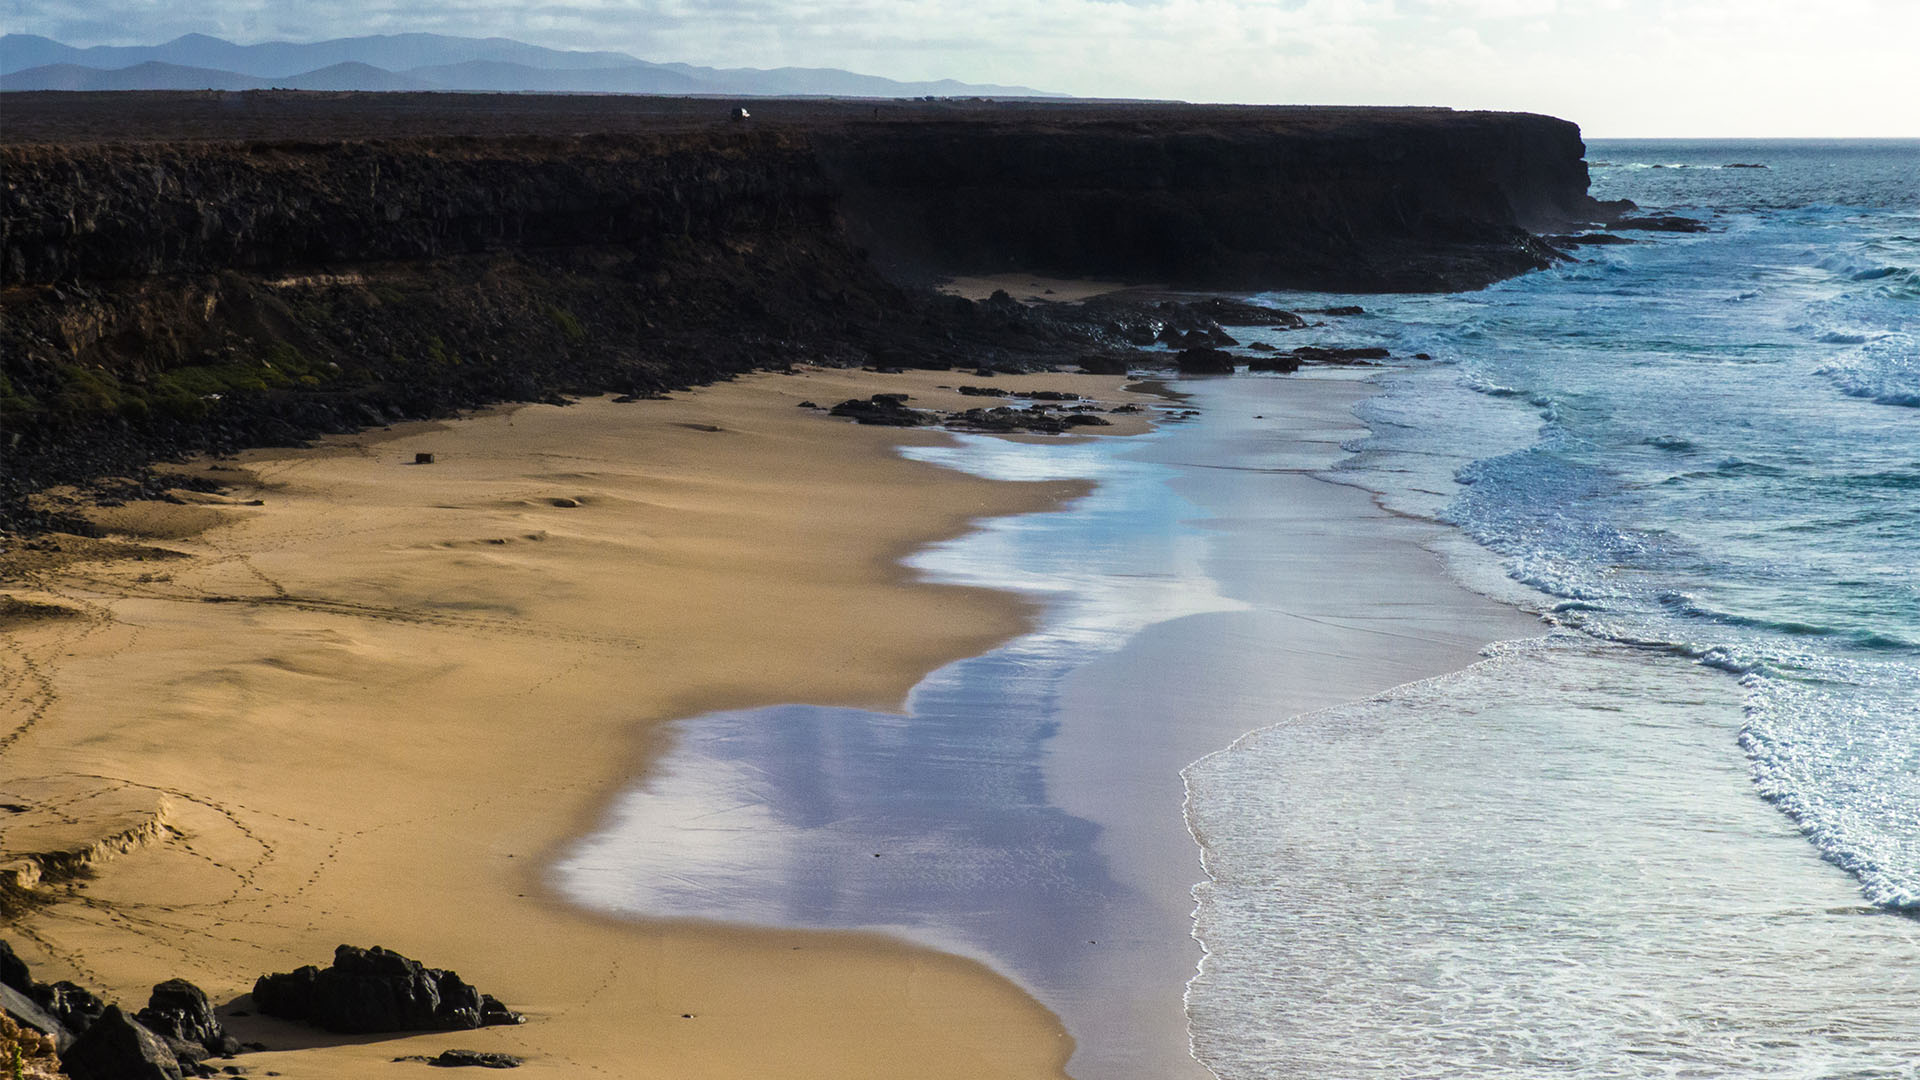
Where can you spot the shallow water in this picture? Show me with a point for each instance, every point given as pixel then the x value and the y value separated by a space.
pixel 1699 452
pixel 1026 809
pixel 1672 838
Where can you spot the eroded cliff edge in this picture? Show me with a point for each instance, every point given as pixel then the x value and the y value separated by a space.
pixel 205 271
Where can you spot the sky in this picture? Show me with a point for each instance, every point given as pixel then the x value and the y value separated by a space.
pixel 1619 68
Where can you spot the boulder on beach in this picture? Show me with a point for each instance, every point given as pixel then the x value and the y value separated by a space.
pixel 375 990
pixel 118 1047
pixel 179 1013
pixel 1204 361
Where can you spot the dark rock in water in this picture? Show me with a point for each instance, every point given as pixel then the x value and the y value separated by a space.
pixel 1660 223
pixel 983 391
pixel 179 1013
pixel 1049 395
pixel 1286 363
pixel 1591 239
pixel 1344 309
pixel 373 990
pixel 28 1013
pixel 76 1007
pixel 883 410
pixel 1261 346
pixel 1316 354
pixel 1198 339
pixel 1422 356
pixel 1087 420
pixel 117 1047
pixel 1744 165
pixel 1006 420
pixel 1240 313
pixel 1125 409
pixel 1204 361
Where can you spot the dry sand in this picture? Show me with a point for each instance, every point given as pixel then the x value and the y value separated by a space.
pixel 370 709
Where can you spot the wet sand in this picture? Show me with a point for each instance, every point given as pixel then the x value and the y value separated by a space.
pixel 1026 809
pixel 371 709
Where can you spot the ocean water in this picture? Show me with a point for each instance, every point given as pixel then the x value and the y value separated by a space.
pixel 1699 456
pixel 1670 829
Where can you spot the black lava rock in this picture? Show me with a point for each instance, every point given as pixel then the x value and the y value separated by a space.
pixel 179 1013
pixel 885 410
pixel 13 970
pixel 1204 361
pixel 374 990
pixel 117 1047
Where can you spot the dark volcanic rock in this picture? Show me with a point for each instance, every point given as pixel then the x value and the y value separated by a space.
pixel 117 1047
pixel 179 1013
pixel 1660 223
pixel 373 990
pixel 983 391
pixel 1204 362
pixel 13 970
pixel 76 1007
pixel 1087 420
pixel 1007 421
pixel 1282 362
pixel 1588 239
pixel 28 1013
pixel 1317 354
pixel 1047 395
pixel 186 276
pixel 1105 363
pixel 884 410
pixel 1343 310
pixel 1227 312
pixel 454 1059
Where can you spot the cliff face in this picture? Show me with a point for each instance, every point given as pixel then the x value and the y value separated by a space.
pixel 1355 200
pixel 206 271
pixel 99 212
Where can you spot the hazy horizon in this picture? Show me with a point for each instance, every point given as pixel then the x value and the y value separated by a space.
pixel 1619 68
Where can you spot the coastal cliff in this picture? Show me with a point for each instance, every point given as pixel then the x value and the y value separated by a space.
pixel 206 271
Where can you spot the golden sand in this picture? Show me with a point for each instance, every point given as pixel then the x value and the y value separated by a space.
pixel 371 710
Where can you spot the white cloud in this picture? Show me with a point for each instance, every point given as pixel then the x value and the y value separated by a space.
pixel 1621 67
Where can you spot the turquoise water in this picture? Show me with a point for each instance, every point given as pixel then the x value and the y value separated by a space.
pixel 1617 851
pixel 1676 836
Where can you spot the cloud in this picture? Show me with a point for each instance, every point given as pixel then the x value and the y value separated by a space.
pixel 1620 66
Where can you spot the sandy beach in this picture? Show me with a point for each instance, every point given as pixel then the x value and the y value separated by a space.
pixel 368 709
pixel 355 699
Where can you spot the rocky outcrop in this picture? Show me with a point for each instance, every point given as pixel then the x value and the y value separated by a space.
pixel 207 272
pixel 173 1036
pixel 117 1047
pixel 377 990
pixel 180 1014
pixel 1220 197
pixel 1204 361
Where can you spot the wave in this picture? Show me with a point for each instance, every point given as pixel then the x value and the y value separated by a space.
pixel 1885 370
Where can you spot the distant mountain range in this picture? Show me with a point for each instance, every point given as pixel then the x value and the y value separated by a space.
pixel 425 62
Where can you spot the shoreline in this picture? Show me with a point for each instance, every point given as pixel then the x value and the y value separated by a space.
pixel 984 1015
pixel 1079 729
pixel 322 862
